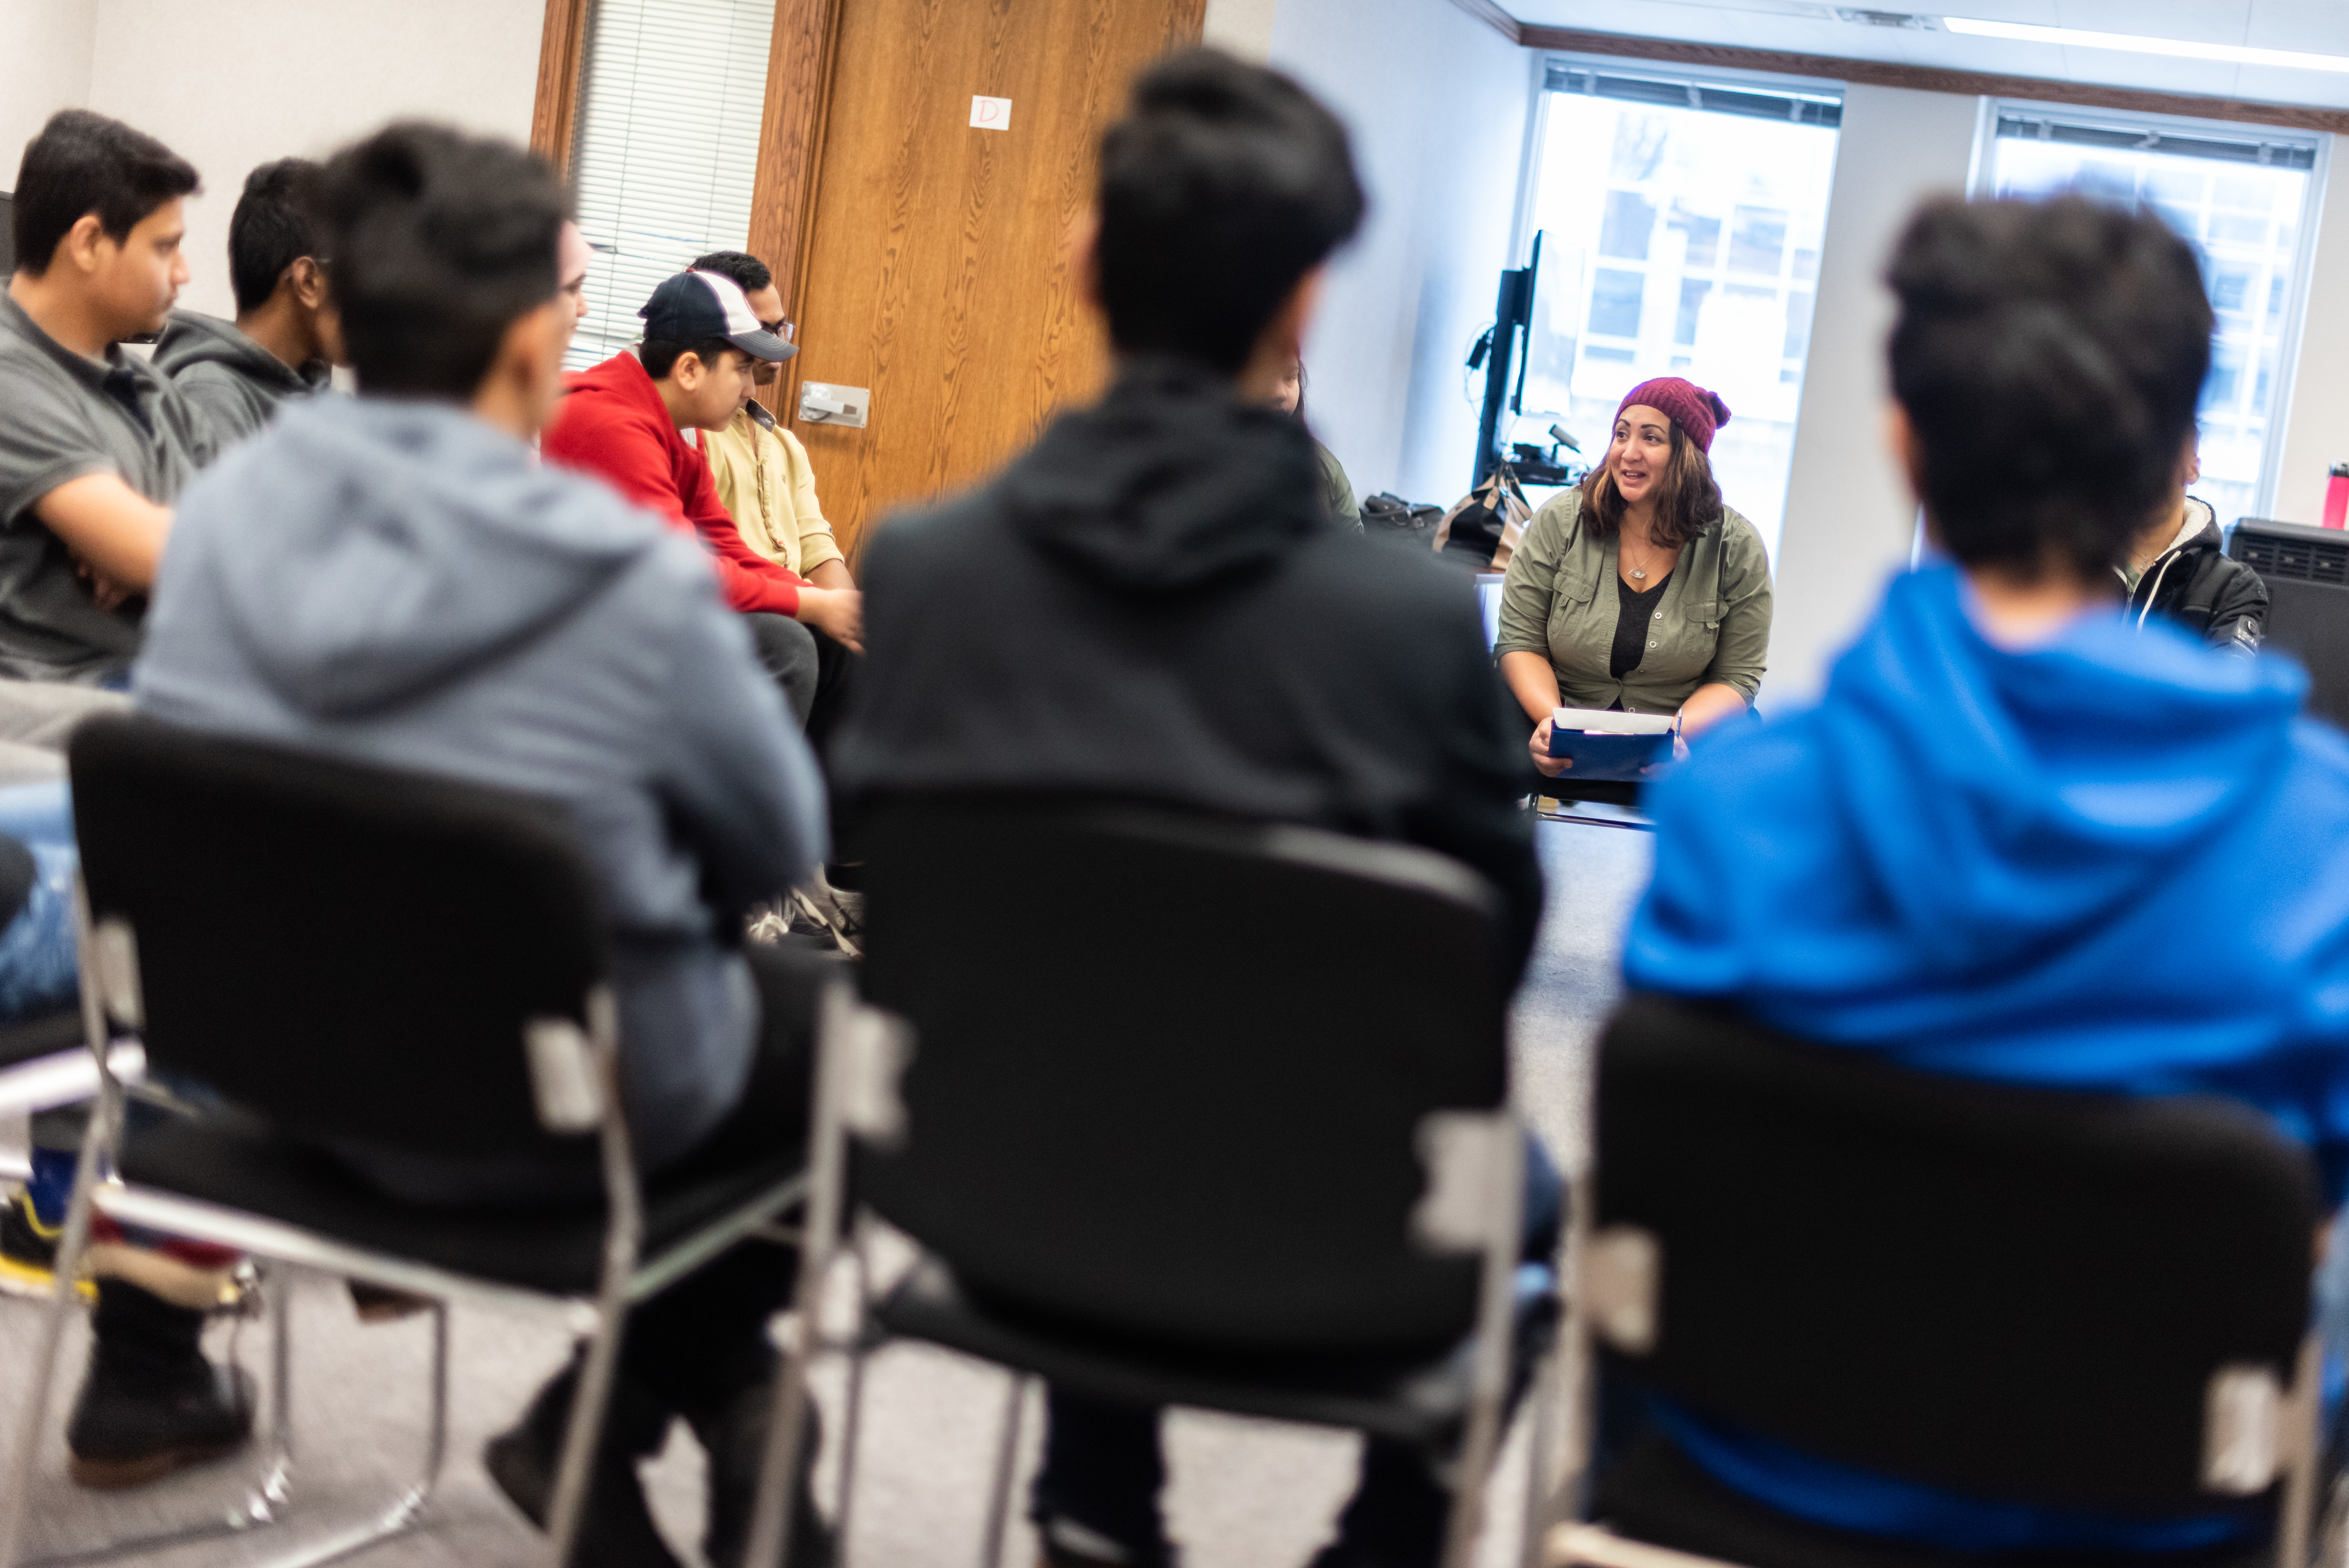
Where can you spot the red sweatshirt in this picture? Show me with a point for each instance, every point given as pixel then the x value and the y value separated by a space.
pixel 613 424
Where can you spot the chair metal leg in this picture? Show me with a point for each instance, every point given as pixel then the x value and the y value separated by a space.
pixel 771 1517
pixel 2297 1503
pixel 851 1419
pixel 1564 1420
pixel 1541 1440
pixel 593 1391
pixel 265 1504
pixel 96 1145
pixel 1489 1377
pixel 407 1511
pixel 1006 1457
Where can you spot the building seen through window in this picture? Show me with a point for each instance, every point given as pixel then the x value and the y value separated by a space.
pixel 1682 226
pixel 2241 198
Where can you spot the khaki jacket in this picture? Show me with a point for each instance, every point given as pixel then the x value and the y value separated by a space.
pixel 1711 624
pixel 765 483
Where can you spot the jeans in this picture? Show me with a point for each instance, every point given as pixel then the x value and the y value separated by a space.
pixel 815 673
pixel 1097 1495
pixel 38 973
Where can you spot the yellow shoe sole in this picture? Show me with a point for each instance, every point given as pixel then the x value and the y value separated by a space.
pixel 20 1278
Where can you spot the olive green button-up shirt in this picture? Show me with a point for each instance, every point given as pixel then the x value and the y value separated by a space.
pixel 1711 624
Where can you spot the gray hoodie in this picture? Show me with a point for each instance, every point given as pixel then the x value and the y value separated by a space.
pixel 397 583
pixel 233 380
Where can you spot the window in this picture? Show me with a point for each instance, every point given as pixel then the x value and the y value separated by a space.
pixel 2240 197
pixel 670 99
pixel 1681 225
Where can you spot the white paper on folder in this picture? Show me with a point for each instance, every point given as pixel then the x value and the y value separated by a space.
pixel 1599 721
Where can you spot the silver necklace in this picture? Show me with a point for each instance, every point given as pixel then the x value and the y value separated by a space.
pixel 1640 574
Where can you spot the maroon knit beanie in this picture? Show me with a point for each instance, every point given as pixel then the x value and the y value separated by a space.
pixel 1688 405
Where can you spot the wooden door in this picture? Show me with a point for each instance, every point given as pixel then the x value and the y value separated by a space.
pixel 939 273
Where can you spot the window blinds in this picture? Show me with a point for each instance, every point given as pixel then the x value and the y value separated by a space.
pixel 1796 105
pixel 670 98
pixel 2274 149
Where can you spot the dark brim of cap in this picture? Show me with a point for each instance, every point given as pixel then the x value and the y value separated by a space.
pixel 762 346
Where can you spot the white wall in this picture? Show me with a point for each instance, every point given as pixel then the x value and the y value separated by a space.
pixel 1242 26
pixel 229 84
pixel 45 50
pixel 1850 520
pixel 1437 103
pixel 2316 419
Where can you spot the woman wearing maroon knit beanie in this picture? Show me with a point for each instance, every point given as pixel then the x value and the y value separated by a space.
pixel 1637 590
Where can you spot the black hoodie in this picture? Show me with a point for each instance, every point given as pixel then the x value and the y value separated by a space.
pixel 1152 604
pixel 237 383
pixel 2195 584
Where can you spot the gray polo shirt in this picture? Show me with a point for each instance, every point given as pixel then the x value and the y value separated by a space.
pixel 63 416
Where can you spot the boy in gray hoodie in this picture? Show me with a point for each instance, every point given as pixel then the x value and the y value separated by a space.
pixel 283 341
pixel 394 579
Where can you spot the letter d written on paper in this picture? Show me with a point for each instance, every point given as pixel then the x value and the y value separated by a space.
pixel 990 114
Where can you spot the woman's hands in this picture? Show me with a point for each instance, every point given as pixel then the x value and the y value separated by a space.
pixel 1538 749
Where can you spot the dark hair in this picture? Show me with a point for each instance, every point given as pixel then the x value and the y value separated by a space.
pixel 659 355
pixel 272 227
pixel 1224 185
pixel 1688 498
pixel 83 163
pixel 2049 356
pixel 750 274
pixel 442 241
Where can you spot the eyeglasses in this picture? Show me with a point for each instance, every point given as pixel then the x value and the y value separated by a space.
pixel 781 326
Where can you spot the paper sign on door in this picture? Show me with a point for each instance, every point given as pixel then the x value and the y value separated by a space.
pixel 990 114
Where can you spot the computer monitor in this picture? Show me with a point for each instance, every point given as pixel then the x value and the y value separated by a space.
pixel 2306 571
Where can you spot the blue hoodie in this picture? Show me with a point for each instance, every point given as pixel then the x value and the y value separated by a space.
pixel 2109 863
pixel 397 583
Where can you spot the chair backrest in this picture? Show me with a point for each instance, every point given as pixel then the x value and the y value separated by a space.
pixel 1169 1069
pixel 350 951
pixel 2012 1292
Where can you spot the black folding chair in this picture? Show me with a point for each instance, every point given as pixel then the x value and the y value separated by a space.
pixel 346 954
pixel 1172 1085
pixel 2076 1300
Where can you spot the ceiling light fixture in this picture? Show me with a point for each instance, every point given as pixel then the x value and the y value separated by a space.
pixel 2136 43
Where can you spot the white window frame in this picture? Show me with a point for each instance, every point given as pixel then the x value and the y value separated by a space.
pixel 1529 183
pixel 2295 315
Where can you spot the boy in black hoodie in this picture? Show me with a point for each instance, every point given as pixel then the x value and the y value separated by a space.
pixel 284 338
pixel 1155 604
pixel 2179 569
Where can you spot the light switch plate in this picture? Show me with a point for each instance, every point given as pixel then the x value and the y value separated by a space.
pixel 822 403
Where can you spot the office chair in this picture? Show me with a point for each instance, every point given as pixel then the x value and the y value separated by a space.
pixel 1174 1090
pixel 2079 1301
pixel 345 953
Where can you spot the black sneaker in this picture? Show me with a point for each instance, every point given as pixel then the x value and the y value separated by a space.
pixel 616 1530
pixel 150 1403
pixel 28 1252
pixel 735 1439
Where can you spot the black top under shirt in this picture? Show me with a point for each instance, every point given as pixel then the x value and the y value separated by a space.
pixel 1635 611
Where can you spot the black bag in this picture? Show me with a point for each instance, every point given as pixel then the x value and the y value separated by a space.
pixel 1391 513
pixel 1488 523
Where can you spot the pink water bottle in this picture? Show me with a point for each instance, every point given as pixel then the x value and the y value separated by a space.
pixel 2336 497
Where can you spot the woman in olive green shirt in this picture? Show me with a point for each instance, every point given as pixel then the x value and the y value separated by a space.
pixel 1639 589
pixel 1337 489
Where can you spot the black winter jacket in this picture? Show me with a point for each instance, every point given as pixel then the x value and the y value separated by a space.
pixel 1153 604
pixel 2195 584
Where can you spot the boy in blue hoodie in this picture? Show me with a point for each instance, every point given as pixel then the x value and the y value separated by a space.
pixel 395 579
pixel 1981 852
